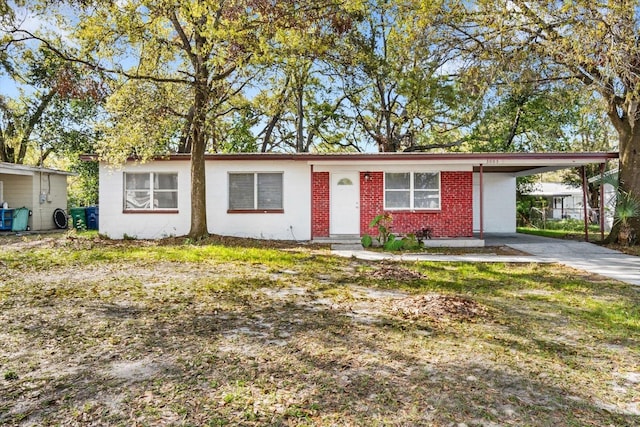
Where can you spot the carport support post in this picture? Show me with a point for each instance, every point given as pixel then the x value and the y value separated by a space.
pixel 584 203
pixel 481 191
pixel 601 216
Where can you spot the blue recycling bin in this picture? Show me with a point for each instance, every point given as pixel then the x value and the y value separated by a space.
pixel 6 219
pixel 93 214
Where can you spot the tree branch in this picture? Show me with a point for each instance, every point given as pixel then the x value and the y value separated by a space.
pixel 101 68
pixel 426 147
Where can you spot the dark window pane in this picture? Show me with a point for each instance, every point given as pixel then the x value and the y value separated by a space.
pixel 269 191
pixel 426 200
pixel 398 181
pixel 241 191
pixel 425 181
pixel 137 181
pixel 166 181
pixel 397 199
pixel 166 200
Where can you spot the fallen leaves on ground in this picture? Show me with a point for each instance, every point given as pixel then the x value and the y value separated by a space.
pixel 439 307
pixel 392 271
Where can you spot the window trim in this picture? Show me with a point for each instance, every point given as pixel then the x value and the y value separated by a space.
pixel 255 210
pixel 151 209
pixel 412 191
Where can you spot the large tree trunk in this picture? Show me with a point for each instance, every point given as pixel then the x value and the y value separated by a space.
pixel 630 161
pixel 198 148
pixel 198 190
pixel 629 173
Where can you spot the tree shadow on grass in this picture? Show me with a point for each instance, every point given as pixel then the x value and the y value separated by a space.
pixel 276 362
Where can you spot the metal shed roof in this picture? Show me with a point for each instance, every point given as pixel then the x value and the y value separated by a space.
pixel 13 169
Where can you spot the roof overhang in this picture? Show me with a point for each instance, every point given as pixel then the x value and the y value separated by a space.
pixel 13 169
pixel 517 164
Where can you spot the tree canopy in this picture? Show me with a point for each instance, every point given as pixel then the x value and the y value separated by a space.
pixel 254 75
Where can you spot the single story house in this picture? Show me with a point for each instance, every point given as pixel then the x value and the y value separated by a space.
pixel 309 196
pixel 41 190
pixel 561 200
pixel 610 196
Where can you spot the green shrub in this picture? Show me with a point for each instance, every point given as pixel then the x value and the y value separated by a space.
pixel 411 242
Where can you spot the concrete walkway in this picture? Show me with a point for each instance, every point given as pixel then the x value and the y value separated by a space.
pixel 580 255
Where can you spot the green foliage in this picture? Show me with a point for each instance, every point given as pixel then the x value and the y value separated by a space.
pixel 10 375
pixel 83 188
pixel 394 80
pixel 383 223
pixel 388 240
pixel 569 224
pixel 410 242
pixel 53 111
pixel 367 241
pixel 407 243
pixel 393 243
pixel 594 233
pixel 145 119
pixel 627 208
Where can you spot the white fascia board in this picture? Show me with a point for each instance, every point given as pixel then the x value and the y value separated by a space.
pixel 390 166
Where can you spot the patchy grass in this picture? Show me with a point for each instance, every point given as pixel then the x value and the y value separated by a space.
pixel 229 332
pixel 594 235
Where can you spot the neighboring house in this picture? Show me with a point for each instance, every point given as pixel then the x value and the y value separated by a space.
pixel 319 196
pixel 561 201
pixel 610 196
pixel 40 190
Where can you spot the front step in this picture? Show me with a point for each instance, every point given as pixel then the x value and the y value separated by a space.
pixel 347 239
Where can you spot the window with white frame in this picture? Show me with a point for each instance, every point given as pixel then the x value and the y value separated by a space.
pixel 255 191
pixel 150 191
pixel 412 190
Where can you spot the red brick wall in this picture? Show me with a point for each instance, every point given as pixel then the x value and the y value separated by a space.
pixel 454 219
pixel 320 204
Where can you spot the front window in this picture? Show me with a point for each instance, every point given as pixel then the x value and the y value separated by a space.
pixel 255 191
pixel 150 191
pixel 412 190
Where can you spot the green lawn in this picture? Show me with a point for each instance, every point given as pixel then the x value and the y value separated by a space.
pixel 594 235
pixel 231 332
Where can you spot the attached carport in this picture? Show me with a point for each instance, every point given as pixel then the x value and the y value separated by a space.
pixel 494 211
pixel 41 190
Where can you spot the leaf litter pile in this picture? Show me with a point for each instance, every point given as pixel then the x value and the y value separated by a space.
pixel 231 332
pixel 437 307
pixel 432 307
pixel 392 271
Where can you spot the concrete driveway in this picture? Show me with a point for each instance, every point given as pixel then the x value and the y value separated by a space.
pixel 579 255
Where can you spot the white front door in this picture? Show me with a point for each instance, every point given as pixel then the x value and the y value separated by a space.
pixel 345 203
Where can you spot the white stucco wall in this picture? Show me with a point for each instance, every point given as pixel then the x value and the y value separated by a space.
pixel 499 203
pixel 114 223
pixel 293 224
